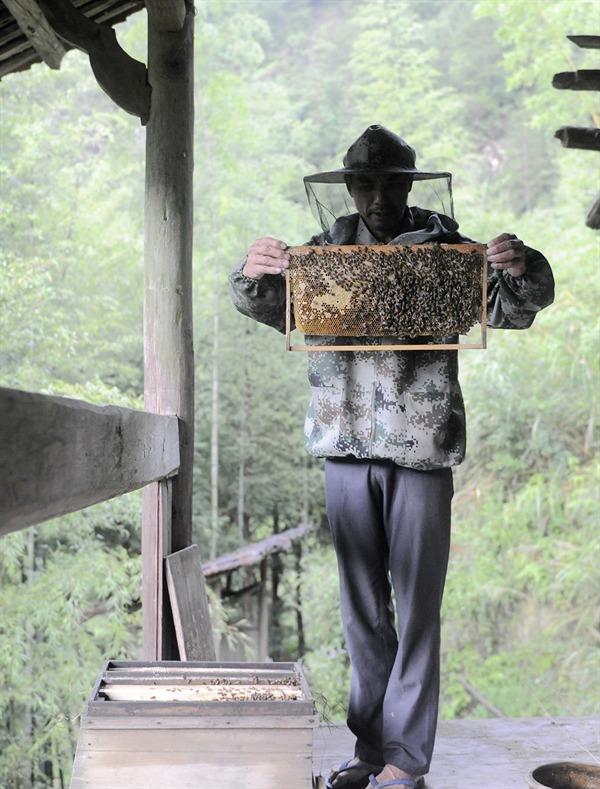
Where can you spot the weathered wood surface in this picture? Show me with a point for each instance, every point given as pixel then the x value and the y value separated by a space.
pixel 168 326
pixel 157 620
pixel 241 744
pixel 577 137
pixel 584 79
pixel 495 753
pixel 163 758
pixel 167 15
pixel 586 42
pixel 59 455
pixel 593 218
pixel 254 553
pixel 17 52
pixel 32 22
pixel 189 605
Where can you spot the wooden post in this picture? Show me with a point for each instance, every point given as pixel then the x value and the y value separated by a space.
pixel 168 328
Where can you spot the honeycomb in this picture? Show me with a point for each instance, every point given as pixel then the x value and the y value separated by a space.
pixel 379 291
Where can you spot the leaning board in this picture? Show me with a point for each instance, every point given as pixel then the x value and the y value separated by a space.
pixel 416 295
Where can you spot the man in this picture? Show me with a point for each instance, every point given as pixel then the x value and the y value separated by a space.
pixel 391 425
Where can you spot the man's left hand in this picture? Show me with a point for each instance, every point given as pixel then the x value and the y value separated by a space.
pixel 507 252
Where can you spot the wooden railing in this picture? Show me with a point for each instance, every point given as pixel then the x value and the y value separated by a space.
pixel 59 455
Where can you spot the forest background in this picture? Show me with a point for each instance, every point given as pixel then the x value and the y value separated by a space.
pixel 282 88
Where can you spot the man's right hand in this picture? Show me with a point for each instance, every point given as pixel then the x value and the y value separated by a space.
pixel 266 256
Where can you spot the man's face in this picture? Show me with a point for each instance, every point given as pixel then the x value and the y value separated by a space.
pixel 381 201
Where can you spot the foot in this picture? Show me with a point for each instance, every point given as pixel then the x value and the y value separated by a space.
pixel 353 774
pixel 391 773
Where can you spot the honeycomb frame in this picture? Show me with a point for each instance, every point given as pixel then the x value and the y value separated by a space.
pixel 419 295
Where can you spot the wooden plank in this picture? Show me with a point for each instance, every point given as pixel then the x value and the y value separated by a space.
pixel 256 771
pixel 157 622
pixel 584 79
pixel 494 753
pixel 189 604
pixel 268 758
pixel 141 741
pixel 586 42
pixel 593 217
pixel 161 671
pixel 577 137
pixel 59 455
pixel 35 26
pixel 228 722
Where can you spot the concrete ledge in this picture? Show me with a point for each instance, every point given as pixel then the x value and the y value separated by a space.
pixel 494 753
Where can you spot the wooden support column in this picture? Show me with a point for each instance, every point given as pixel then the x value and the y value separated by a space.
pixel 168 330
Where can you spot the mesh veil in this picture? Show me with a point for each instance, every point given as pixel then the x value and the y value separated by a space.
pixel 330 201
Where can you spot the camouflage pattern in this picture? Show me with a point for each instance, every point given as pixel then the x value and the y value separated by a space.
pixel 404 406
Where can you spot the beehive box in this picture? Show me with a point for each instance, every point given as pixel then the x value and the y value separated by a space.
pixel 432 290
pixel 170 725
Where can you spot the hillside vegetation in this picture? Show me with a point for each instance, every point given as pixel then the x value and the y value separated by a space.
pixel 282 88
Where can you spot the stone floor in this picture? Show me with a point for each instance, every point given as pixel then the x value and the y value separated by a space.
pixel 495 753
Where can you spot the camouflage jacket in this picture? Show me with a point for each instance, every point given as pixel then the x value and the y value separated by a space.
pixel 404 406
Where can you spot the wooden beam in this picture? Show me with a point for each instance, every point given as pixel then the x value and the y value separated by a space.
pixel 32 22
pixel 122 77
pixel 168 324
pixel 584 79
pixel 59 455
pixel 586 42
pixel 576 137
pixel 593 217
pixel 254 553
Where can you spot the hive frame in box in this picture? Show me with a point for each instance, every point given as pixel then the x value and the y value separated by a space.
pixel 472 248
pixel 143 727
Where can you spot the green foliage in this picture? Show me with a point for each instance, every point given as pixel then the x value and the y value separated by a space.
pixel 281 89
pixel 71 590
pixel 326 662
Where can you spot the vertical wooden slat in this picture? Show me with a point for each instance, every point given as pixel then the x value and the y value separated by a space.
pixel 157 622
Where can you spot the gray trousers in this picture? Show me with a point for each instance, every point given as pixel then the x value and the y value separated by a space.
pixel 391 532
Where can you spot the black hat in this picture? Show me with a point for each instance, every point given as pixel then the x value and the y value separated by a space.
pixel 376 151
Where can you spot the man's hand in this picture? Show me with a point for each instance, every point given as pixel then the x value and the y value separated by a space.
pixel 507 252
pixel 266 256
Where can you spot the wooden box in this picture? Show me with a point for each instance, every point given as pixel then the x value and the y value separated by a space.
pixel 170 725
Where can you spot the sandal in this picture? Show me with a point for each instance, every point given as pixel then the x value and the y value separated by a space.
pixel 358 781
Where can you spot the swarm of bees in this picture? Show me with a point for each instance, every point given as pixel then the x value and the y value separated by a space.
pixel 378 291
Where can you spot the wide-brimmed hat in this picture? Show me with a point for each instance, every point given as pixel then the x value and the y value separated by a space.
pixel 377 151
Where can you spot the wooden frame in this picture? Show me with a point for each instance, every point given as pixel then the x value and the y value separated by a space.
pixel 396 346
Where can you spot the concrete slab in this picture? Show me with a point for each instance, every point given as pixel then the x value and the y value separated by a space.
pixel 495 753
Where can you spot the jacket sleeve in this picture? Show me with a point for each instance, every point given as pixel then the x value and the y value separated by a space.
pixel 513 302
pixel 261 299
